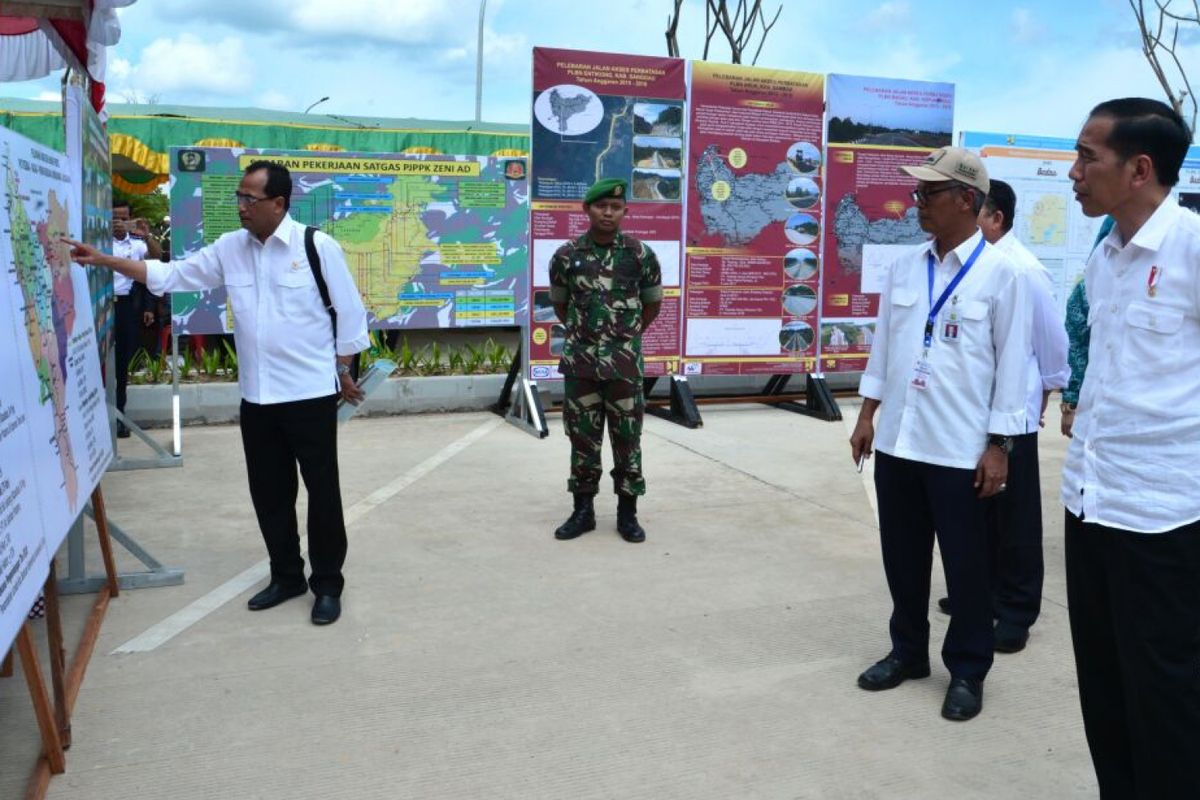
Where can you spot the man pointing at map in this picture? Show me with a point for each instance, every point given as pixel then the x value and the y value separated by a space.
pixel 292 370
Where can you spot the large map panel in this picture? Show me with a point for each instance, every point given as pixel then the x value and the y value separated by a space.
pixel 432 241
pixel 603 115
pixel 875 126
pixel 754 220
pixel 52 414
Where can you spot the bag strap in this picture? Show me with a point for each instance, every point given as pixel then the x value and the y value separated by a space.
pixel 314 263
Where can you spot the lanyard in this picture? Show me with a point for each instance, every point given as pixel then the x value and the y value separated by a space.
pixel 935 308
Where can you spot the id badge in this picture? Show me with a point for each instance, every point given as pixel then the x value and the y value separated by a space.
pixel 922 374
pixel 951 328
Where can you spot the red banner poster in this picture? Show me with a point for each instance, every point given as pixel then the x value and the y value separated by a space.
pixel 876 125
pixel 754 221
pixel 606 115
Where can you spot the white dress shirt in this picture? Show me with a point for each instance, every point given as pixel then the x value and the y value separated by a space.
pixel 131 248
pixel 1047 361
pixel 1131 463
pixel 977 383
pixel 284 344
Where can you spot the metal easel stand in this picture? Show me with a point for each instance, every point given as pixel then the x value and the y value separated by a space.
pixel 682 409
pixel 519 402
pixel 79 582
pixel 818 400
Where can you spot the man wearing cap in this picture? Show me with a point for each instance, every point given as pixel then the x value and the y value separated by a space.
pixel 1015 515
pixel 947 374
pixel 606 288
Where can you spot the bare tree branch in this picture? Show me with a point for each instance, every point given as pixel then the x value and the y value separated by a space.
pixel 1164 57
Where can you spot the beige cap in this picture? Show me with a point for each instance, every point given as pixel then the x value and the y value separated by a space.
pixel 952 164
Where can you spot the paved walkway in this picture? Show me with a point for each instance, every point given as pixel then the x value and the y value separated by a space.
pixel 479 658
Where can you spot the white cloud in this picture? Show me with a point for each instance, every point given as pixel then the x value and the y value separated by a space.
pixel 889 15
pixel 48 95
pixel 275 100
pixel 190 64
pixel 1026 27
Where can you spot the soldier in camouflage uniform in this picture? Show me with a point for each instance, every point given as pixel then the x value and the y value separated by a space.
pixel 606 288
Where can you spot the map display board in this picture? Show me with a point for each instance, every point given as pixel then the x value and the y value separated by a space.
pixel 1047 220
pixel 54 440
pixel 754 220
pixel 875 126
pixel 87 151
pixel 603 115
pixel 1188 188
pixel 432 241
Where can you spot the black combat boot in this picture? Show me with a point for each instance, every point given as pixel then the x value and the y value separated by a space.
pixel 627 524
pixel 582 519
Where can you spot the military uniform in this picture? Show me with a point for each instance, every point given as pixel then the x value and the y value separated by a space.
pixel 604 288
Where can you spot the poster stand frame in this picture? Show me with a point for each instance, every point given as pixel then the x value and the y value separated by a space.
pixel 681 408
pixel 54 716
pixel 524 407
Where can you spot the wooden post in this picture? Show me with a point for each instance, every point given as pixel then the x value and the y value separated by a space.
pixel 110 567
pixel 41 701
pixel 6 665
pixel 58 656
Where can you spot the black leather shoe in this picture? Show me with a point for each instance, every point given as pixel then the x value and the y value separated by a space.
pixel 944 605
pixel 326 610
pixel 1010 639
pixel 122 431
pixel 274 594
pixel 890 673
pixel 964 699
pixel 627 521
pixel 582 519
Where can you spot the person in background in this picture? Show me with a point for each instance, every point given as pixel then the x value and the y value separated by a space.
pixel 131 240
pixel 1078 336
pixel 1015 515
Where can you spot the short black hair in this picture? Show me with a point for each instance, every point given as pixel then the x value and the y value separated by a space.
pixel 1142 126
pixel 279 180
pixel 122 203
pixel 1002 198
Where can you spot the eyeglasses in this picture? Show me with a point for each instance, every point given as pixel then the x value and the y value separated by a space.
pixel 922 195
pixel 247 199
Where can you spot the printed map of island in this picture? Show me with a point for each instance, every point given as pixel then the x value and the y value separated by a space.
pixel 755 200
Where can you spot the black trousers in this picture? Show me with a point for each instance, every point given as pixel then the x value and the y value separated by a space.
pixel 1015 524
pixel 277 437
pixel 1134 602
pixel 127 330
pixel 915 501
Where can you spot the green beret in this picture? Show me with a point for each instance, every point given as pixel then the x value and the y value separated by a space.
pixel 609 187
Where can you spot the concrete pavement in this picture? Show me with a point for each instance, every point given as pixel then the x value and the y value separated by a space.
pixel 477 657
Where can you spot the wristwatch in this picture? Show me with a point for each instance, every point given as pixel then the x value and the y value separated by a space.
pixel 1005 443
pixel 1066 408
pixel 343 369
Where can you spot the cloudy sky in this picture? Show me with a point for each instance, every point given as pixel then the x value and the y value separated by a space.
pixel 1033 66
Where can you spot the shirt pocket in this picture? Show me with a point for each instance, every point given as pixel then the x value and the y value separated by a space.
pixel 959 361
pixel 903 310
pixel 298 295
pixel 240 293
pixel 1151 344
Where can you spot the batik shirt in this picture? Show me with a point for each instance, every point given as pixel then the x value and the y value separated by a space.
pixel 605 288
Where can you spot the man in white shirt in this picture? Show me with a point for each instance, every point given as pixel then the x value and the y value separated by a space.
pixel 288 372
pixel 947 374
pixel 1015 515
pixel 1130 483
pixel 131 239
